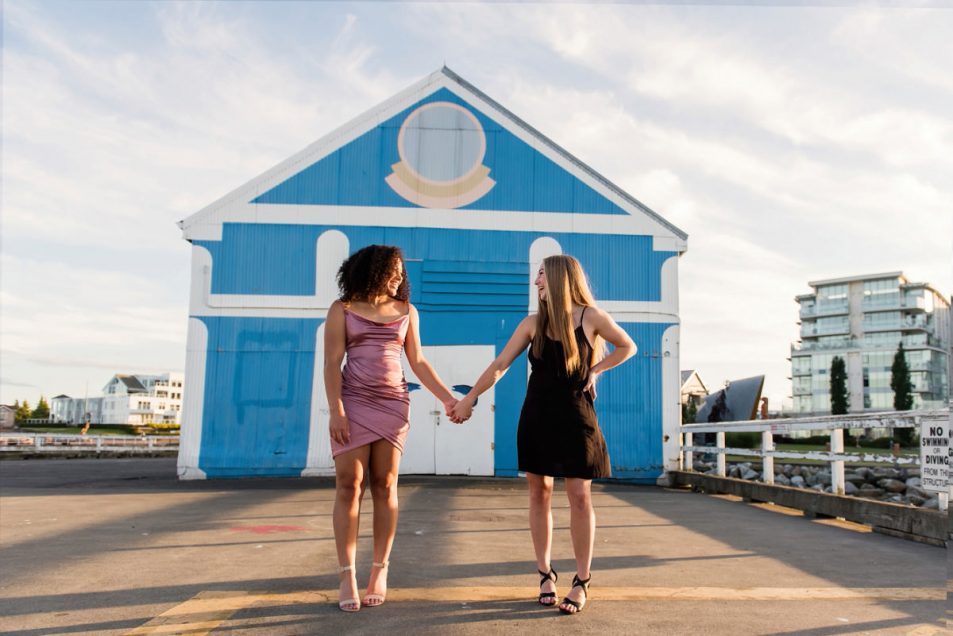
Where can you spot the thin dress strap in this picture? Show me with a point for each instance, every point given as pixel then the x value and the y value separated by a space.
pixel 581 316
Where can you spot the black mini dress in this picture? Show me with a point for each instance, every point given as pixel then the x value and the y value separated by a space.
pixel 558 432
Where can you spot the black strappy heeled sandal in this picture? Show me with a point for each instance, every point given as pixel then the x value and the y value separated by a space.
pixel 547 576
pixel 577 582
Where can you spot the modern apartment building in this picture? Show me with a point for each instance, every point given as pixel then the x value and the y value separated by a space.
pixel 863 319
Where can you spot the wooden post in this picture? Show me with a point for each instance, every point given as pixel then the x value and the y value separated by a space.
pixel 837 466
pixel 767 460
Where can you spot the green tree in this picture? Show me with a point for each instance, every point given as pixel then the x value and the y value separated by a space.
pixel 689 411
pixel 839 394
pixel 719 410
pixel 902 392
pixel 23 412
pixel 42 410
pixel 900 381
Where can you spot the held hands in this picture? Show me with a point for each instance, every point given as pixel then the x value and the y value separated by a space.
pixel 451 407
pixel 448 407
pixel 461 411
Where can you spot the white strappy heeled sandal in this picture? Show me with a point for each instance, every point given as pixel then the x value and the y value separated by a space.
pixel 375 600
pixel 348 604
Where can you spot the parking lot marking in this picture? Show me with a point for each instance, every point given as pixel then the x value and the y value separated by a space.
pixel 208 610
pixel 199 615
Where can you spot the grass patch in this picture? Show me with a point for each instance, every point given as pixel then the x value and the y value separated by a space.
pixel 73 430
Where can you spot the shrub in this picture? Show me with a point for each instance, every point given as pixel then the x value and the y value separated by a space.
pixel 747 439
pixel 164 426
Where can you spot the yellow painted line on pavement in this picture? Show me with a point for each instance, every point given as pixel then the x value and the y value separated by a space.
pixel 199 615
pixel 845 525
pixel 928 630
pixel 468 594
pixel 208 610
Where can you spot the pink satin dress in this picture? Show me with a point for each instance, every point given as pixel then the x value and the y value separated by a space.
pixel 373 388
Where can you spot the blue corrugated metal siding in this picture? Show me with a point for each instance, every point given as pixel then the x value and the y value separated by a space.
pixel 246 261
pixel 270 259
pixel 257 396
pixel 472 286
pixel 526 181
pixel 629 407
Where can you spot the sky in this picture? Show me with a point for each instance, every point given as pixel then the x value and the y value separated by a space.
pixel 792 142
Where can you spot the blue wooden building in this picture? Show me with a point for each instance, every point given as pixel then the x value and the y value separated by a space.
pixel 476 198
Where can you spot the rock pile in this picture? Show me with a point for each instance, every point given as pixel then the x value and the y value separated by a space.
pixel 894 485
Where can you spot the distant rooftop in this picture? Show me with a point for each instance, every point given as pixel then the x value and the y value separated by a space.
pixel 851 279
pixel 904 283
pixel 132 383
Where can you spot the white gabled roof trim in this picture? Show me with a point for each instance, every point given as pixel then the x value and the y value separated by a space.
pixel 235 206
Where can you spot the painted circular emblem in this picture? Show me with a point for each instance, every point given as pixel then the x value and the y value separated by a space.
pixel 441 147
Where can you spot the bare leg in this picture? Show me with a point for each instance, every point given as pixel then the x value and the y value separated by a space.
pixel 385 460
pixel 541 523
pixel 582 526
pixel 349 469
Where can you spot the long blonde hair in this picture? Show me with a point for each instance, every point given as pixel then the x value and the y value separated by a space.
pixel 566 285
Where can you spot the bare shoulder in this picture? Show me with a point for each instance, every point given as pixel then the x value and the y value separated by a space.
pixel 527 326
pixel 406 308
pixel 336 308
pixel 596 316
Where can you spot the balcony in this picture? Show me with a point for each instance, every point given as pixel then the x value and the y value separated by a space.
pixel 910 342
pixel 881 306
pixel 810 329
pixel 828 309
pixel 915 302
pixel 922 365
pixel 843 343
pixel 915 322
pixel 893 325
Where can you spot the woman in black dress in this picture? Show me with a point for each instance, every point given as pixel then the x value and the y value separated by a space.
pixel 558 433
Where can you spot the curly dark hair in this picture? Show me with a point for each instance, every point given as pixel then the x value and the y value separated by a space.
pixel 365 273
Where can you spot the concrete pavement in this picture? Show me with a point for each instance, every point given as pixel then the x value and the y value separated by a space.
pixel 120 546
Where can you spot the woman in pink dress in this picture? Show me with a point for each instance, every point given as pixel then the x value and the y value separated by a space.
pixel 373 323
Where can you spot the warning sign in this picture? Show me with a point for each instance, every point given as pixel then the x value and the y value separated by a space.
pixel 934 456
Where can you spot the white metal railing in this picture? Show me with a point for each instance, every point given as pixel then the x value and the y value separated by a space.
pixel 51 443
pixel 836 456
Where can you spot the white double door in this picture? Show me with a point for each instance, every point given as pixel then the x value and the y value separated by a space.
pixel 435 445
